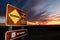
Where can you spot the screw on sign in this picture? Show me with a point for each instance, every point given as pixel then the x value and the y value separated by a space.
pixel 14 16
pixel 10 35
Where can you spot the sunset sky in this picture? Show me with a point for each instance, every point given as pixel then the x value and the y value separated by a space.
pixel 36 9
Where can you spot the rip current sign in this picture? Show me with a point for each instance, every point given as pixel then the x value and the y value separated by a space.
pixel 15 16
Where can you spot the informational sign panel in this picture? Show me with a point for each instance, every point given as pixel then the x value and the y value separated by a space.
pixel 15 16
pixel 15 34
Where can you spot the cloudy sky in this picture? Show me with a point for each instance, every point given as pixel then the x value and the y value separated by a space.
pixel 36 9
pixel 51 8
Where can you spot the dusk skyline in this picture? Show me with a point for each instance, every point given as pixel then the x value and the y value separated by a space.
pixel 36 9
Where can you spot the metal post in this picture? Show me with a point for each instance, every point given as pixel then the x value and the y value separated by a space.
pixel 10 28
pixel 22 37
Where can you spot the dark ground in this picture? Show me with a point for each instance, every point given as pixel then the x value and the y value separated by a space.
pixel 36 33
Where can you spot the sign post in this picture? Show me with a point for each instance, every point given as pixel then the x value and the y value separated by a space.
pixel 22 37
pixel 14 17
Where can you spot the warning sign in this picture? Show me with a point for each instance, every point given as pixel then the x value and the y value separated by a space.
pixel 15 16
